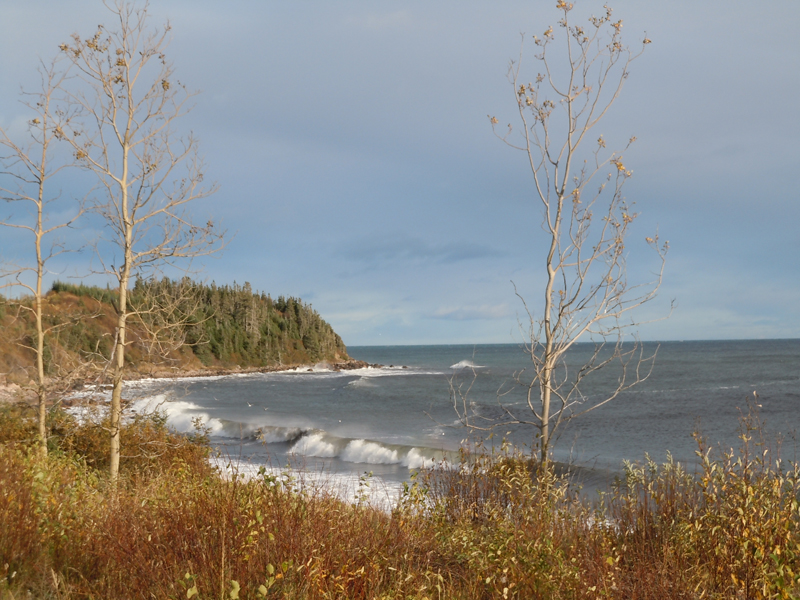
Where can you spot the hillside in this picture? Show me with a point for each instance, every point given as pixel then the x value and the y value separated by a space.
pixel 180 325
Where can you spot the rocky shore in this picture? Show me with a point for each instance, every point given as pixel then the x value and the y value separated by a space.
pixel 13 392
pixel 177 373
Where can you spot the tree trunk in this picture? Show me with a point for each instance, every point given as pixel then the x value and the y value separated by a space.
pixel 41 390
pixel 117 378
pixel 122 320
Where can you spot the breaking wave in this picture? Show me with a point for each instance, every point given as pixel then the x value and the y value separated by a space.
pixel 314 445
pixel 322 445
pixel 349 487
pixel 465 364
pixel 183 416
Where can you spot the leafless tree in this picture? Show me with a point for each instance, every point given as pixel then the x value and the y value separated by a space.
pixel 129 101
pixel 165 312
pixel 28 170
pixel 586 221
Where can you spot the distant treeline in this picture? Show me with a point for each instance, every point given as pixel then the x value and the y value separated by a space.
pixel 182 321
pixel 234 324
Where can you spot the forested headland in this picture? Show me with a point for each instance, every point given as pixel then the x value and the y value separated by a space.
pixel 176 325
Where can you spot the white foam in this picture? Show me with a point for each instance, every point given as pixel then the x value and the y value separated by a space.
pixel 366 452
pixel 348 487
pixel 150 381
pixel 389 372
pixel 416 460
pixel 181 414
pixel 321 369
pixel 84 414
pixel 271 435
pixel 314 445
pixel 362 451
pixel 466 364
pixel 361 382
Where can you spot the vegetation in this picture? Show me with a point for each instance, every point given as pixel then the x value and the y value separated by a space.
pixel 127 101
pixel 235 325
pixel 28 172
pixel 208 325
pixel 586 222
pixel 496 528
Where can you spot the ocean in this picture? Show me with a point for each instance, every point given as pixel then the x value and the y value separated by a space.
pixel 390 420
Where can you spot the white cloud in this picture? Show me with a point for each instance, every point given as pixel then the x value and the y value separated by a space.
pixel 475 312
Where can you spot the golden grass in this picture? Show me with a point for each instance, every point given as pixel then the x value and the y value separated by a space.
pixel 496 528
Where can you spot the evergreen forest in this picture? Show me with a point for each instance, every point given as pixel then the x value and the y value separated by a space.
pixel 180 324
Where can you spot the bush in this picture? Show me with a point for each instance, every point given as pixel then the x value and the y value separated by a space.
pixel 496 527
pixel 103 295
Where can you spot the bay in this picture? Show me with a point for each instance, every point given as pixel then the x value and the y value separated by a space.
pixel 399 417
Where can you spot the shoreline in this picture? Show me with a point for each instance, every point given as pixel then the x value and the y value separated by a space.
pixel 14 393
pixel 179 373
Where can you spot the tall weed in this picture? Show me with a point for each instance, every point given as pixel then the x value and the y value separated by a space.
pixel 497 526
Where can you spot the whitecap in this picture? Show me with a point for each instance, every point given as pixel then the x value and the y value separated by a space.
pixel 416 460
pixel 181 415
pixel 274 435
pixel 465 364
pixel 349 487
pixel 361 382
pixel 363 451
pixel 314 445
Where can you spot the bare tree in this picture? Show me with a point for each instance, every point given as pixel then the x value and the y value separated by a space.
pixel 129 100
pixel 28 171
pixel 586 221
pixel 165 313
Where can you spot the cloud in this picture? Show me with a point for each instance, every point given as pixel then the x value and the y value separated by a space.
pixel 415 249
pixel 472 313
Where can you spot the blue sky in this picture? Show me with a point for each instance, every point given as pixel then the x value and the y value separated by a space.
pixel 358 170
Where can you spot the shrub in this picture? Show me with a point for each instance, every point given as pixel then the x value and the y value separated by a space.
pixel 499 526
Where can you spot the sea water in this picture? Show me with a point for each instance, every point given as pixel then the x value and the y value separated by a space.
pixel 389 420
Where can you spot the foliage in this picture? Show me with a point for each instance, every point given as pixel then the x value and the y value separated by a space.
pixel 586 222
pixel 236 325
pixel 498 526
pixel 102 295
pixel 222 326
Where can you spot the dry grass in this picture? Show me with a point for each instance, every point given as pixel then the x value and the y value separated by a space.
pixel 495 528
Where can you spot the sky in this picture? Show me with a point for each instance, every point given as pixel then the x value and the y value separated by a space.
pixel 358 170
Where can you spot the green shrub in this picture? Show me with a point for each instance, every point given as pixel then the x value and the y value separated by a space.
pixel 496 527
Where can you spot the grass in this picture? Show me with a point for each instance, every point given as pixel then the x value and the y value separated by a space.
pixel 496 528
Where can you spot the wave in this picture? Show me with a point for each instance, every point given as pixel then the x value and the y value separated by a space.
pixel 361 382
pixel 319 444
pixel 280 435
pixel 183 416
pixel 363 451
pixel 349 487
pixel 186 417
pixel 314 445
pixel 466 364
pixel 319 371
